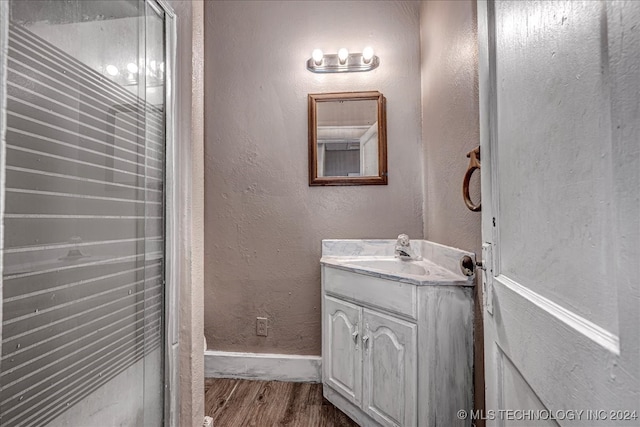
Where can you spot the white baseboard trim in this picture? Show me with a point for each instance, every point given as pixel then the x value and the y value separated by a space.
pixel 262 366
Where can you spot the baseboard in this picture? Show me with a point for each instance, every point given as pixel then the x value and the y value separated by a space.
pixel 262 366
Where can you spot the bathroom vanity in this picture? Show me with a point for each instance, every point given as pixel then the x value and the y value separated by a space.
pixel 397 335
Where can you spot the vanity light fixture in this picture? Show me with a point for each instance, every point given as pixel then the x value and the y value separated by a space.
pixel 112 70
pixel 131 73
pixel 132 68
pixel 343 61
pixel 343 54
pixel 317 56
pixel 367 54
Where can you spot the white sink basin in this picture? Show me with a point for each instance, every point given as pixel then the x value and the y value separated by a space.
pixel 392 266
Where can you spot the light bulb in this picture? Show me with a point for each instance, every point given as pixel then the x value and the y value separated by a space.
pixel 367 54
pixel 343 54
pixel 317 56
pixel 112 70
pixel 133 68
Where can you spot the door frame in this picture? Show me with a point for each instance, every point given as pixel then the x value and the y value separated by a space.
pixel 487 107
pixel 487 119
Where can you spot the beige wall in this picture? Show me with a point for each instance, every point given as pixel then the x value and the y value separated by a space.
pixel 450 126
pixel 263 223
pixel 450 129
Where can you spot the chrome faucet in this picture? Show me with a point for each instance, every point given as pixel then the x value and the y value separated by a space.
pixel 403 249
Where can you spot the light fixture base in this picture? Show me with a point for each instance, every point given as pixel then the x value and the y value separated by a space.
pixel 354 63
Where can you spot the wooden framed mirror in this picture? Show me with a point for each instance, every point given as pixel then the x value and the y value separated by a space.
pixel 347 139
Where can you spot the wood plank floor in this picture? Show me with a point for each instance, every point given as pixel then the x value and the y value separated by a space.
pixel 243 403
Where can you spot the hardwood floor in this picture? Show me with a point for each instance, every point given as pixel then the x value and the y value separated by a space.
pixel 242 403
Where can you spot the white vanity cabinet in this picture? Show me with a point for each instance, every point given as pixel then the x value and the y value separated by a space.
pixel 370 360
pixel 389 369
pixel 342 366
pixel 396 353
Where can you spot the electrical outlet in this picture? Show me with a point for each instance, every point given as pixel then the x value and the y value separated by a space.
pixel 261 326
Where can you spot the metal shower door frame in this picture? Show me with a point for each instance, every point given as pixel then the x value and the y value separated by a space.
pixel 4 45
pixel 175 243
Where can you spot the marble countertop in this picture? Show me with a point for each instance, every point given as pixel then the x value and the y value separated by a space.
pixel 440 266
pixel 434 275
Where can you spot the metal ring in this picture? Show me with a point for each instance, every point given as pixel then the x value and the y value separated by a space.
pixel 474 163
pixel 465 190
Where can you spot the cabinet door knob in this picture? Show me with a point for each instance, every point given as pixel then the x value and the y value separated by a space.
pixel 365 341
pixel 355 336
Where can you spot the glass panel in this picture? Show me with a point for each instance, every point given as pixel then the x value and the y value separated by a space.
pixel 83 252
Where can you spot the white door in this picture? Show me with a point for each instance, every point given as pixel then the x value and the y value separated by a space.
pixel 390 373
pixel 342 358
pixel 560 132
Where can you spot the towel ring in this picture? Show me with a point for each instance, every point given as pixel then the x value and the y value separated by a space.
pixel 474 163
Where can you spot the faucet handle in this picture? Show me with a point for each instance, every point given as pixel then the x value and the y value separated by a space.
pixel 403 240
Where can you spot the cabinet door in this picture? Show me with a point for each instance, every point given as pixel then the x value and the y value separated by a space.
pixel 342 358
pixel 390 370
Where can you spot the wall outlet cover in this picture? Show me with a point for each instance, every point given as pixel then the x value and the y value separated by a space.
pixel 261 326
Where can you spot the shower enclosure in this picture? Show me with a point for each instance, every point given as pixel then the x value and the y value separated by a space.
pixel 85 168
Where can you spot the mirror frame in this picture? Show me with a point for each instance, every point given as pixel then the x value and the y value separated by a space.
pixel 314 179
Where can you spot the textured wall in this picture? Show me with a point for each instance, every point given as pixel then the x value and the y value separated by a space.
pixel 450 125
pixel 450 129
pixel 263 223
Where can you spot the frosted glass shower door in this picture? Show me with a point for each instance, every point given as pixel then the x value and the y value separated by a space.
pixel 83 253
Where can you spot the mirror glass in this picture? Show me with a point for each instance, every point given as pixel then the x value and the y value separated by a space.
pixel 346 146
pixel 347 138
